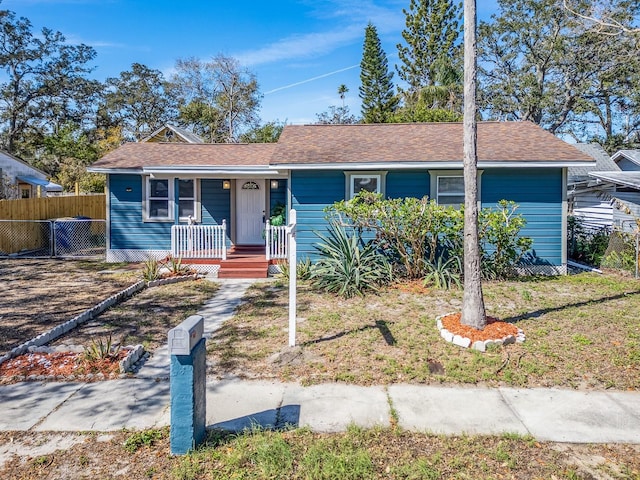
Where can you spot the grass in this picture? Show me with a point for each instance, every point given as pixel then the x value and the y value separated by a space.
pixel 582 332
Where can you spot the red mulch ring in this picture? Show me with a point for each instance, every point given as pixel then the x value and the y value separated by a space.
pixel 59 363
pixel 494 330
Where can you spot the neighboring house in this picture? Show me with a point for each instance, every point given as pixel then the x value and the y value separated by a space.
pixel 172 134
pixel 154 188
pixel 588 197
pixel 624 185
pixel 22 179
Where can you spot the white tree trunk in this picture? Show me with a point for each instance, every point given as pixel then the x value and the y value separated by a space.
pixel 473 311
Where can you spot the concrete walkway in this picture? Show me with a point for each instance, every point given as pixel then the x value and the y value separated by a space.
pixel 143 402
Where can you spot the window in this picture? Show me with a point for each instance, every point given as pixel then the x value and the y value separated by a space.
pixel 162 195
pixel 158 204
pixel 186 198
pixel 368 181
pixel 447 187
pixel 450 191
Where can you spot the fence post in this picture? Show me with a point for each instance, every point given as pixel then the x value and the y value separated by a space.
pixel 188 385
pixel 267 240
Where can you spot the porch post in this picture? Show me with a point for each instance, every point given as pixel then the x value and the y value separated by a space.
pixel 267 240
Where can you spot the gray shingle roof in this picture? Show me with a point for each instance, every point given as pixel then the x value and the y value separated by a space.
pixel 602 158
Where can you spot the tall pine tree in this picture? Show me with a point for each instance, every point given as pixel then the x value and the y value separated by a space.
pixel 376 89
pixel 432 35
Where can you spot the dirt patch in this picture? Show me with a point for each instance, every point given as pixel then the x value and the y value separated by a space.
pixel 35 306
pixel 38 295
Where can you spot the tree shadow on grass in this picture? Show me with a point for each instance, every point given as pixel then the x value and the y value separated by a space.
pixel 380 325
pixel 544 311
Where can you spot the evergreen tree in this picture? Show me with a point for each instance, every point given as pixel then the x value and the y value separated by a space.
pixel 376 91
pixel 432 35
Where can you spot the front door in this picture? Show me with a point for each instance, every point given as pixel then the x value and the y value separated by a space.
pixel 250 212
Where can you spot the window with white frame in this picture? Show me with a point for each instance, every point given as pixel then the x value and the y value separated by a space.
pixel 161 195
pixel 450 190
pixel 447 187
pixel 186 198
pixel 370 182
pixel 159 199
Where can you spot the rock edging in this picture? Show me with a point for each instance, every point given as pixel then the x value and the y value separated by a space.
pixel 84 317
pixel 478 345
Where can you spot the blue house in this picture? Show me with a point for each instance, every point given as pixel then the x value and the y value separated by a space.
pixel 211 203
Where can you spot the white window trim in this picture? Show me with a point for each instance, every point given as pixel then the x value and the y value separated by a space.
pixel 434 174
pixel 171 181
pixel 146 189
pixel 351 176
pixel 196 201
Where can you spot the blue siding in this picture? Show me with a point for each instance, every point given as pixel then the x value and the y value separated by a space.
pixel 407 183
pixel 628 166
pixel 278 195
pixel 311 192
pixel 127 230
pixel 215 204
pixel 538 193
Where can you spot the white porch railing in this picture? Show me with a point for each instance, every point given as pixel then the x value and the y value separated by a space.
pixel 277 245
pixel 199 241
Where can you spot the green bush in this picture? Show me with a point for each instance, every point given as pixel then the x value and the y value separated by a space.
pixel 584 244
pixel 347 268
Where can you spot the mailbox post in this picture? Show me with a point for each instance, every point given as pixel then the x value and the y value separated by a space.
pixel 188 385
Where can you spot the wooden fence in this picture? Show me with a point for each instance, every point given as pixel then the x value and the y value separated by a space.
pixel 92 206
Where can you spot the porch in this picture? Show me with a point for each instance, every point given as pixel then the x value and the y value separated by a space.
pixel 207 245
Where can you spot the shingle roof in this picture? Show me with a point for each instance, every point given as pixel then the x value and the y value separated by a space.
pixel 498 142
pixel 160 135
pixel 420 142
pixel 604 163
pixel 632 155
pixel 627 179
pixel 148 154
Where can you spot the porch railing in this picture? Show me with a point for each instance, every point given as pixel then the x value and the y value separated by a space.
pixel 276 239
pixel 199 241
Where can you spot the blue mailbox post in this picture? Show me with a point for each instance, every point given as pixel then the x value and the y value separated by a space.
pixel 188 385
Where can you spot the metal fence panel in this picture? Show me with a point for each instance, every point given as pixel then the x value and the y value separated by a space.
pixel 49 238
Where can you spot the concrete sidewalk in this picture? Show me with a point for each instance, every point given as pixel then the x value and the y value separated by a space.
pixel 143 402
pixel 546 414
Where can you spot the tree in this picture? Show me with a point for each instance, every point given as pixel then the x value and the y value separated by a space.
pixel 432 33
pixel 376 90
pixel 44 85
pixel 604 15
pixel 219 98
pixel 473 310
pixel 336 116
pixel 267 133
pixel 138 101
pixel 342 91
pixel 543 65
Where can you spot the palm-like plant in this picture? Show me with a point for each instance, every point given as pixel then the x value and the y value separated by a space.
pixel 347 268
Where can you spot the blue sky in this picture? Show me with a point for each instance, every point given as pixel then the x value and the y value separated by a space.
pixel 300 51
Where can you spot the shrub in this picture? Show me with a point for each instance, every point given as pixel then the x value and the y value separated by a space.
pixel 586 245
pixel 345 267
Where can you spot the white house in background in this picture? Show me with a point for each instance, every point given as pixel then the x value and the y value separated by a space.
pixel 24 180
pixel 587 196
pixel 625 181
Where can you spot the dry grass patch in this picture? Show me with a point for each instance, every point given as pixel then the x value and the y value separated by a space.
pixel 582 332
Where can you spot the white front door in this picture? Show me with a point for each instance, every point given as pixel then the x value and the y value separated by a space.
pixel 250 212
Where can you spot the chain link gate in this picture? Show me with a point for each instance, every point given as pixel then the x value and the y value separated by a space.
pixel 65 237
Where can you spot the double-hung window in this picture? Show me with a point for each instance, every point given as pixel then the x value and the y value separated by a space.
pixel 367 181
pixel 159 193
pixel 162 195
pixel 447 187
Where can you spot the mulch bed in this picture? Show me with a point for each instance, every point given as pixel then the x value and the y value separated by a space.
pixel 494 330
pixel 59 364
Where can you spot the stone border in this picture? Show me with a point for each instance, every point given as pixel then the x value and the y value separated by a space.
pixel 84 317
pixel 479 345
pixel 176 279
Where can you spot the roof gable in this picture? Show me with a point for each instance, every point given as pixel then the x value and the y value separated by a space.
pixel 172 134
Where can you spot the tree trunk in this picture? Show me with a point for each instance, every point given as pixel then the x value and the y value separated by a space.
pixel 473 311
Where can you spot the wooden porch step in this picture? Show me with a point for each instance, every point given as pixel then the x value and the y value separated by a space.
pixel 245 272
